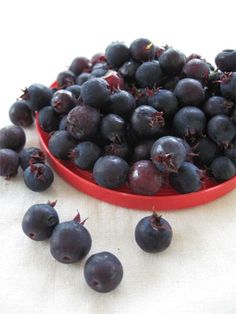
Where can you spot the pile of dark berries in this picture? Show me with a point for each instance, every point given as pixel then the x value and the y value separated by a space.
pixel 70 242
pixel 139 116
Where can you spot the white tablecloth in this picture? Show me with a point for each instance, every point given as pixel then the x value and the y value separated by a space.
pixel 196 274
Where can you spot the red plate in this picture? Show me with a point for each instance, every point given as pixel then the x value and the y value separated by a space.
pixel 167 198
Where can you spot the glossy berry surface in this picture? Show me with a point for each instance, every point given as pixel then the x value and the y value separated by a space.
pixel 187 179
pixel 31 155
pixel 48 119
pixel 222 169
pixel 39 221
pixel 147 121
pixel 75 90
pixel 189 92
pixel 38 96
pixel 116 54
pixel 66 78
pixel 226 60
pixel 82 78
pixel 149 74
pixel 9 163
pixel 144 178
pixel 110 171
pixel 142 49
pixel 122 103
pixel 168 154
pixel 38 177
pixel 12 137
pixel 197 69
pixel 61 144
pixel 221 130
pixel 228 86
pixel 79 65
pixel 70 241
pixel 95 92
pixel 205 151
pixel 85 154
pixel 172 61
pixel 217 105
pixel 103 272
pixel 113 128
pixel 189 122
pixel 165 101
pixel 153 234
pixel 83 122
pixel 20 113
pixel 63 101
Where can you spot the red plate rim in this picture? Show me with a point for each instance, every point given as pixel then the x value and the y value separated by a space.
pixel 134 201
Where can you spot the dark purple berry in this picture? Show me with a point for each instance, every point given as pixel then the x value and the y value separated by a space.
pixel 31 155
pixel 98 58
pixel 39 221
pixel 110 171
pixel 189 92
pixel 197 69
pixel 228 86
pixel 217 105
pixel 9 163
pixel 20 113
pixel 221 130
pixel 146 121
pixel 122 103
pixel 128 70
pixel 222 169
pixel 38 96
pixel 231 153
pixel 103 272
pixel 149 74
pixel 60 144
pixel 12 137
pixel 189 122
pixel 165 101
pixel 142 49
pixel 95 92
pixel 48 119
pixel 187 179
pixel 205 152
pixel 82 78
pixel 65 79
pixel 116 54
pixel 63 101
pixel 142 151
pixel 83 122
pixel 63 124
pixel 38 177
pixel 79 65
pixel 153 234
pixel 234 117
pixel 117 149
pixel 172 61
pixel 113 128
pixel 99 70
pixel 70 241
pixel 168 154
pixel 85 154
pixel 75 90
pixel 226 60
pixel 144 178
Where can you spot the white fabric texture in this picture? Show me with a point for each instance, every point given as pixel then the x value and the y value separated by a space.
pixel 196 274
